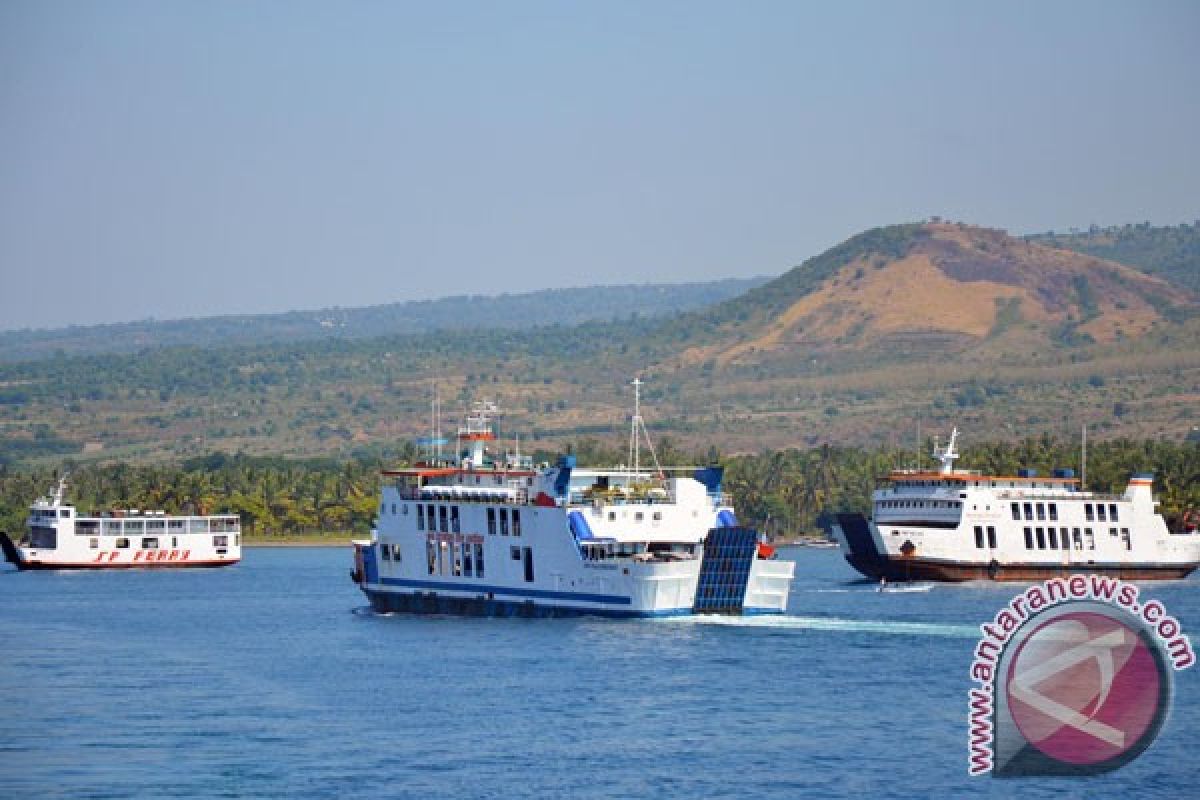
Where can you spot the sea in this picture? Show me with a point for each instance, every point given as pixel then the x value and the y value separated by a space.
pixel 272 679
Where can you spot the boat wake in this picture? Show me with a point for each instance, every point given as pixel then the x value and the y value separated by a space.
pixel 901 588
pixel 838 624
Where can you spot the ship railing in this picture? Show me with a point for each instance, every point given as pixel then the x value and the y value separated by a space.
pixel 601 499
pixel 151 526
pixel 1080 496
pixel 468 495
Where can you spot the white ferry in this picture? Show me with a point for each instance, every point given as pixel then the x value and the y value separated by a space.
pixel 951 524
pixel 59 537
pixel 496 536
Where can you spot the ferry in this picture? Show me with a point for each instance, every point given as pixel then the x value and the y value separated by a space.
pixel 493 535
pixel 952 524
pixel 57 536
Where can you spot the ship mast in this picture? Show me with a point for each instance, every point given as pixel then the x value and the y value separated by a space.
pixel 1083 461
pixel 635 423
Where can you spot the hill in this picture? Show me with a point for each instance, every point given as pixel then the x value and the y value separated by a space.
pixel 506 311
pixel 1172 253
pixel 948 324
pixel 953 286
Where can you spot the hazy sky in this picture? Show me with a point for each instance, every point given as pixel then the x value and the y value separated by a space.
pixel 168 159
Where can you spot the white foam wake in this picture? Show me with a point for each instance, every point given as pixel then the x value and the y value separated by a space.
pixel 838 624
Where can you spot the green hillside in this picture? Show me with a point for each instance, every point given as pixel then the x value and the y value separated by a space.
pixel 1172 253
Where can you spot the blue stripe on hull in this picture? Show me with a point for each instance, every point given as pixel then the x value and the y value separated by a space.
pixel 477 588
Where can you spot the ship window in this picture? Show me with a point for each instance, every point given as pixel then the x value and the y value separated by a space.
pixel 1041 511
pixel 1029 538
pixel 1066 540
pixel 93 543
pixel 1112 531
pixel 458 561
pixel 979 537
pixel 431 517
pixel 1077 538
pixel 1016 510
pixel 386 552
pixel 504 522
pixel 528 564
pixel 87 527
pixel 122 543
pixel 491 518
pixel 393 509
pixel 1053 538
pixel 442 524
pixel 468 560
pixel 1041 538
pixel 515 553
pixel 1087 512
pixel 516 522
pixel 1054 511
pixel 431 554
pixel 1100 512
pixel 454 521
pixel 198 525
pixel 612 516
pixel 638 516
pixel 420 517
pixel 1112 512
pixel 1090 538
pixel 175 525
pixel 991 537
pixel 153 525
pixel 174 541
pixel 1125 538
pixel 1028 511
pixel 657 516
pixel 396 552
pixel 150 543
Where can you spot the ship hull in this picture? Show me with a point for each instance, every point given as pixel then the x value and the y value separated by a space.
pixel 917 569
pixel 44 566
pixel 863 554
pixel 386 602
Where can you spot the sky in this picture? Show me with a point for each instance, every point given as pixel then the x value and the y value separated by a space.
pixel 185 159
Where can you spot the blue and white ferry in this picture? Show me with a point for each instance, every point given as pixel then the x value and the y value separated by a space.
pixel 491 534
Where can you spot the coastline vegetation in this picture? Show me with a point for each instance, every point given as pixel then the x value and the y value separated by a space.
pixel 786 493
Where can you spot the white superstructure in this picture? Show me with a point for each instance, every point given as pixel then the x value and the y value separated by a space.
pixel 954 524
pixel 57 536
pixel 491 534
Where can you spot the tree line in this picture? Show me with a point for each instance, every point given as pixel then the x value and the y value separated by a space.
pixel 783 492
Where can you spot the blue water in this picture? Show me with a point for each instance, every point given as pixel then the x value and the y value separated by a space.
pixel 270 680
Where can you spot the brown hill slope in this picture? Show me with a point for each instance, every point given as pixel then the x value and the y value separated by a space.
pixel 953 286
